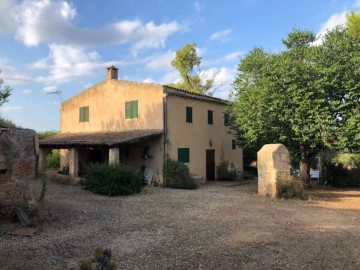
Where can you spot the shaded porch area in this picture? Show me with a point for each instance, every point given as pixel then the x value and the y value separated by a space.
pixel 138 148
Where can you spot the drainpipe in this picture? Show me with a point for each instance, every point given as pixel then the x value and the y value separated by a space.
pixel 165 134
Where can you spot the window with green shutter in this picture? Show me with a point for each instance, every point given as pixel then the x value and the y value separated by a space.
pixel 188 114
pixel 184 155
pixel 210 117
pixel 233 144
pixel 226 119
pixel 131 109
pixel 84 114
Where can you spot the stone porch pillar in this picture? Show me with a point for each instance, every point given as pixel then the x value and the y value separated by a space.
pixel 43 152
pixel 73 162
pixel 114 154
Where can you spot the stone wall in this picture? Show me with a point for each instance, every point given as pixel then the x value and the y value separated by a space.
pixel 18 150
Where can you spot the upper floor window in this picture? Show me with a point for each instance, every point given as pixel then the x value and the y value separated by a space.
pixel 189 115
pixel 210 117
pixel 233 146
pixel 131 109
pixel 226 119
pixel 84 114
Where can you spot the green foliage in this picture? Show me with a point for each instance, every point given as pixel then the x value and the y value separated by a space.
pixel 226 171
pixel 46 134
pixel 306 97
pixel 338 175
pixel 290 186
pixel 186 59
pixel 7 123
pixel 353 24
pixel 53 159
pixel 5 92
pixel 178 175
pixel 100 260
pixel 112 180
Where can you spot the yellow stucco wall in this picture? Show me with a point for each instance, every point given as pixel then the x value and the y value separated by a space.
pixel 106 101
pixel 196 135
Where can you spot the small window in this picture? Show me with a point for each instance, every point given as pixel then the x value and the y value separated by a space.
pixel 188 114
pixel 131 109
pixel 226 119
pixel 183 155
pixel 84 114
pixel 210 117
pixel 233 144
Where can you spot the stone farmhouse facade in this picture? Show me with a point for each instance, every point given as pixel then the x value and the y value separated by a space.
pixel 142 124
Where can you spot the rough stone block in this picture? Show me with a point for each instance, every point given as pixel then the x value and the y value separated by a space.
pixel 272 159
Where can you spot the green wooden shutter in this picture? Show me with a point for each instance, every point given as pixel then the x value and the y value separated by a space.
pixel 134 113
pixel 128 109
pixel 80 115
pixel 210 117
pixel 184 155
pixel 84 114
pixel 226 119
pixel 188 114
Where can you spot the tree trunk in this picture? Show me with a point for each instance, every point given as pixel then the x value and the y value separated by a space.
pixel 304 167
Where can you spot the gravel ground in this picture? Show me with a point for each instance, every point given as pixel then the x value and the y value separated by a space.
pixel 219 226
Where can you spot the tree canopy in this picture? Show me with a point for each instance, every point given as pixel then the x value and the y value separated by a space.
pixel 306 97
pixel 185 61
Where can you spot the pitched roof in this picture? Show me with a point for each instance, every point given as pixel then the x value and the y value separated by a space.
pixel 187 94
pixel 108 139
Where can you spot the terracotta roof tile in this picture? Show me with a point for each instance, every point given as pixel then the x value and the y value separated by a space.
pixel 99 138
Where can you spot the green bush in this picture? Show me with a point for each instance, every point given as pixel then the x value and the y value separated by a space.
pixel 53 159
pixel 46 134
pixel 100 260
pixel 178 175
pixel 226 171
pixel 339 176
pixel 112 180
pixel 7 123
pixel 290 186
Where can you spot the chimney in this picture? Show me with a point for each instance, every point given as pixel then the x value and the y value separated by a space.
pixel 112 73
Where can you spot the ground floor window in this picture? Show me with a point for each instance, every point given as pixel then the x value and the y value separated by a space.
pixel 184 155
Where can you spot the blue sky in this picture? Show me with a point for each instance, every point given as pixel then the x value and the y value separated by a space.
pixel 50 45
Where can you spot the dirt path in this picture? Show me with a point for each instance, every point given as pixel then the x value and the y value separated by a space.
pixel 219 226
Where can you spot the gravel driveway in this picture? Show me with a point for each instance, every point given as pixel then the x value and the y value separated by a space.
pixel 219 226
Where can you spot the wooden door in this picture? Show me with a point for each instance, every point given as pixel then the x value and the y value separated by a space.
pixel 210 164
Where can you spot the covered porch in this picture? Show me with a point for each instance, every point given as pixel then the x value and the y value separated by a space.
pixel 138 148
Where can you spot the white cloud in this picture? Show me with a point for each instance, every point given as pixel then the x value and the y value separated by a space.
pixel 170 77
pixel 27 91
pixel 221 35
pixel 161 62
pixel 66 62
pixel 198 7
pixel 6 19
pixel 12 75
pixel 148 80
pixel 47 21
pixel 11 109
pixel 334 20
pixel 50 88
pixel 233 56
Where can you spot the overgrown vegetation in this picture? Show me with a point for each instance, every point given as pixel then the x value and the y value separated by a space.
pixel 290 186
pixel 101 260
pixel 53 159
pixel 226 171
pixel 113 179
pixel 7 123
pixel 45 134
pixel 178 175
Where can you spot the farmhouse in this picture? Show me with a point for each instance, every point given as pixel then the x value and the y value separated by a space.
pixel 142 124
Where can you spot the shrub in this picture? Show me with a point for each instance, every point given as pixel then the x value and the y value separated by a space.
pixel 100 260
pixel 339 176
pixel 290 186
pixel 226 171
pixel 7 123
pixel 178 175
pixel 112 180
pixel 53 159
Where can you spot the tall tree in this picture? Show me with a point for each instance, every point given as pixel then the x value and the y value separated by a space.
pixel 185 61
pixel 5 92
pixel 296 97
pixel 353 24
